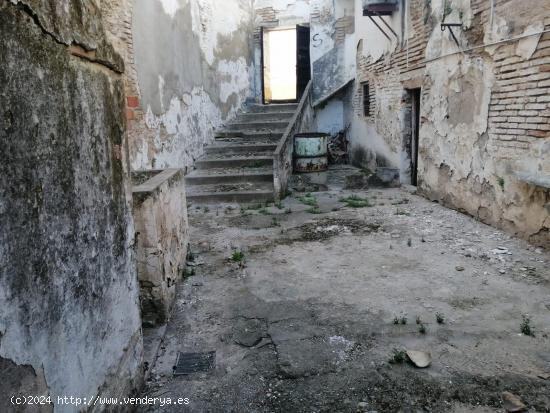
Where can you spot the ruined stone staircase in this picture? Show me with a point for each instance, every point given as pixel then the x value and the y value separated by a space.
pixel 238 167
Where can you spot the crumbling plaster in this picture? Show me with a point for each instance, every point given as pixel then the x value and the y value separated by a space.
pixel 190 81
pixel 463 162
pixel 470 155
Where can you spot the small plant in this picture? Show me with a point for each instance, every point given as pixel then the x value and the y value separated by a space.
pixel 422 329
pixel 354 201
pixel 288 211
pixel 418 320
pixel 279 205
pixel 237 256
pixel 403 320
pixel 401 212
pixel 396 320
pixel 397 356
pixel 409 242
pixel 501 182
pixel 206 209
pixel 440 318
pixel 526 327
pixel 275 222
pixel 314 210
pixel 309 200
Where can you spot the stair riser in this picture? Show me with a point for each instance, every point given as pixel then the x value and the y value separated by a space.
pixel 248 141
pixel 241 149
pixel 264 117
pixel 250 135
pixel 272 108
pixel 236 197
pixel 233 163
pixel 228 179
pixel 258 126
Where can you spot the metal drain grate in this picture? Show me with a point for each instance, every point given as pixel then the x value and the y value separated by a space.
pixel 187 363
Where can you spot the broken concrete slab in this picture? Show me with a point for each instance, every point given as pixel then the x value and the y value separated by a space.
pixel 249 331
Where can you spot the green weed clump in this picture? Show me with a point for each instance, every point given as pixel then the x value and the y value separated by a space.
pixel 354 201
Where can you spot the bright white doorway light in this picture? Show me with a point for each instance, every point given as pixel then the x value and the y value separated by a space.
pixel 280 65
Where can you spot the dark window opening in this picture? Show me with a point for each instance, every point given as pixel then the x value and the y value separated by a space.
pixel 366 99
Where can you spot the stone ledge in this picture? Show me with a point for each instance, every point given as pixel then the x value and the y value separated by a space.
pixel 142 190
pixel 532 179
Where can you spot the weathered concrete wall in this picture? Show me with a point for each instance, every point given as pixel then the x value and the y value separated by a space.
pixel 193 60
pixel 486 140
pixel 484 113
pixel 69 313
pixel 160 213
pixel 332 45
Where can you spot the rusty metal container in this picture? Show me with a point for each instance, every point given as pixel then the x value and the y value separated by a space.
pixel 310 152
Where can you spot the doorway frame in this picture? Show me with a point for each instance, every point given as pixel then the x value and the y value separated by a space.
pixel 415 95
pixel 263 31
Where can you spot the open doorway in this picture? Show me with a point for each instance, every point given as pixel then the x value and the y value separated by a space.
pixel 286 67
pixel 414 95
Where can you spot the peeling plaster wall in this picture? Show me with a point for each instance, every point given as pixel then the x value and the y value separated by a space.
pixel 332 45
pixel 193 60
pixel 485 114
pixel 69 312
pixel 491 128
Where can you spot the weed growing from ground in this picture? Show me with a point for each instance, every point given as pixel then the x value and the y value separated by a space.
pixel 397 356
pixel 354 201
pixel 309 200
pixel 314 210
pixel 526 327
pixel 422 329
pixel 237 256
pixel 440 318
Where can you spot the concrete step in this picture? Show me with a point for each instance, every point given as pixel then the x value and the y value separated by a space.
pixel 268 126
pixel 250 134
pixel 240 193
pixel 241 148
pixel 263 116
pixel 275 108
pixel 246 141
pixel 229 176
pixel 212 161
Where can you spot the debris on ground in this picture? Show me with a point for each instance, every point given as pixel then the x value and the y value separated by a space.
pixel 501 251
pixel 338 148
pixel 512 403
pixel 420 359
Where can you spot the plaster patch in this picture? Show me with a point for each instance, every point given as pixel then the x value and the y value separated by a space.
pixel 170 7
pixel 527 46
pixel 234 76
pixel 212 19
pixel 170 145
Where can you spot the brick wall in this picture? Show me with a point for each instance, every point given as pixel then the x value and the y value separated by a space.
pixel 118 22
pixel 471 152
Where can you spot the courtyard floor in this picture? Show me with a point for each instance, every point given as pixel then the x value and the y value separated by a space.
pixel 300 303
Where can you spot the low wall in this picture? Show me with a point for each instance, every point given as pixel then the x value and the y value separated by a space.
pixel 160 216
pixel 302 121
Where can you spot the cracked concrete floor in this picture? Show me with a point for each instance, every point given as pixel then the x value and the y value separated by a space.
pixel 305 322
